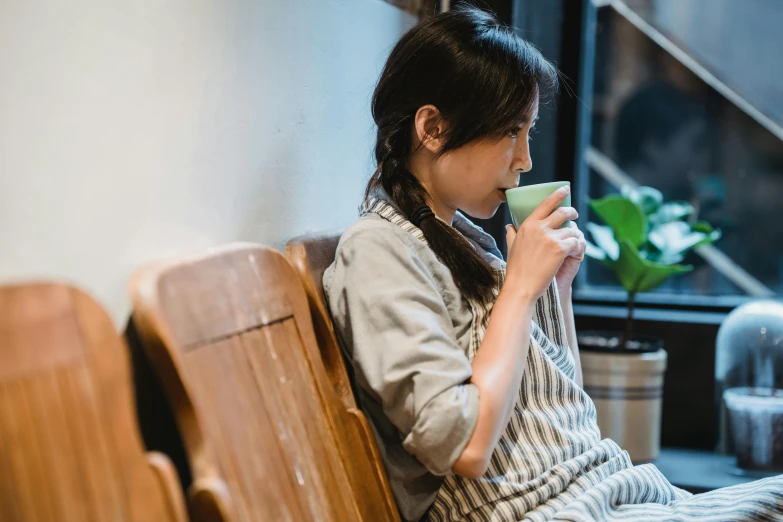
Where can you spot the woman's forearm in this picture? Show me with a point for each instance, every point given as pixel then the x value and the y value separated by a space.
pixel 497 373
pixel 570 326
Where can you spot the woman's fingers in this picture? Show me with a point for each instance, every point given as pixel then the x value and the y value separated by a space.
pixel 564 233
pixel 570 246
pixel 576 249
pixel 511 234
pixel 560 216
pixel 549 205
pixel 582 245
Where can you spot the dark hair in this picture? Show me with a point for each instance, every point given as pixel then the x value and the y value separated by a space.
pixel 482 77
pixel 655 112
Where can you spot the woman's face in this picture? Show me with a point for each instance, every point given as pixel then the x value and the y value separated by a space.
pixel 474 177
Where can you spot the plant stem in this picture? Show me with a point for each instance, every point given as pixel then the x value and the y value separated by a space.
pixel 629 319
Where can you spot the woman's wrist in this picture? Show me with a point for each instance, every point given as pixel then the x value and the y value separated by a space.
pixel 520 295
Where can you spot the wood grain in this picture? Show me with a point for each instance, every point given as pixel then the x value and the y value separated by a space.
pixel 310 256
pixel 69 444
pixel 229 333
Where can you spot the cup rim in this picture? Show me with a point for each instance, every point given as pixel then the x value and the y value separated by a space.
pixel 554 184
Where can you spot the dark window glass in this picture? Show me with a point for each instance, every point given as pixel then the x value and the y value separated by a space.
pixel 688 98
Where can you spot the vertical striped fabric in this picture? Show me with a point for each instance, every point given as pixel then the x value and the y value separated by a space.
pixel 551 464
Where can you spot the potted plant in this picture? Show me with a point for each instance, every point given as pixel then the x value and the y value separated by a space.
pixel 642 241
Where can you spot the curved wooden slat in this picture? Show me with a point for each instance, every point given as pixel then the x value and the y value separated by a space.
pixel 69 444
pixel 230 335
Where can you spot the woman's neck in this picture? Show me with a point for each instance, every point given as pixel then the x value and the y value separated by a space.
pixel 420 167
pixel 442 211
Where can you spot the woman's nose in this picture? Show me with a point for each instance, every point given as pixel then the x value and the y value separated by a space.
pixel 522 160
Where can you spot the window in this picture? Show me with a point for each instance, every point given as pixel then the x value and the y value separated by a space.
pixel 714 60
pixel 685 99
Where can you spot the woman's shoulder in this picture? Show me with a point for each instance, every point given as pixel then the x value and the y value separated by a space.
pixel 372 234
pixel 376 248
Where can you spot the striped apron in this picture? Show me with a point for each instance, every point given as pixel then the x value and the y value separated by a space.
pixel 551 464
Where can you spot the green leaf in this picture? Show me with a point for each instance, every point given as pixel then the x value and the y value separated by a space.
pixel 712 234
pixel 672 211
pixel 711 238
pixel 604 238
pixel 666 258
pixel 702 226
pixel 677 237
pixel 637 274
pixel 648 198
pixel 665 236
pixel 623 216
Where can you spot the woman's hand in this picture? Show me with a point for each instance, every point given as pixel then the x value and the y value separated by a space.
pixel 568 270
pixel 536 253
pixel 538 249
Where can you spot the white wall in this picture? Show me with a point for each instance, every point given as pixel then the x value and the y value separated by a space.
pixel 138 129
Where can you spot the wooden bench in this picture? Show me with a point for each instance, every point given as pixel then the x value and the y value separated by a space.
pixel 70 447
pixel 230 334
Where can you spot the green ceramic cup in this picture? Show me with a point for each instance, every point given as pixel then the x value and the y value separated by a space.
pixel 522 201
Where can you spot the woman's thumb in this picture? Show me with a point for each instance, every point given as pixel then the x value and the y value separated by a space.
pixel 511 234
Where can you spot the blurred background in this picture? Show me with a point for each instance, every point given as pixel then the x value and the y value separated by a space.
pixel 702 124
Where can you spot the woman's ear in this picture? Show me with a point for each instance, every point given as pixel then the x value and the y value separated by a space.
pixel 429 128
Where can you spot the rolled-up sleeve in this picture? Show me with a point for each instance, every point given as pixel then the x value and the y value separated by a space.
pixel 404 351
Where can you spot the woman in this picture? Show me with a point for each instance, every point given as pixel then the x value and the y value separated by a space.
pixel 466 366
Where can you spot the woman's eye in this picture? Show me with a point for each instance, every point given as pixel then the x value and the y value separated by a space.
pixel 514 132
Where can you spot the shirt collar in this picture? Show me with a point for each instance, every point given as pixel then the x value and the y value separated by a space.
pixel 482 241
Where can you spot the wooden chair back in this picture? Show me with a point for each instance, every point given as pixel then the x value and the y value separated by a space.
pixel 230 335
pixel 310 256
pixel 70 447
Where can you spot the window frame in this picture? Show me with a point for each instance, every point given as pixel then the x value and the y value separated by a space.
pixel 688 325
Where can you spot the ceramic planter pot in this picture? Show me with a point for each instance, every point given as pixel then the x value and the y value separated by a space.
pixel 626 385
